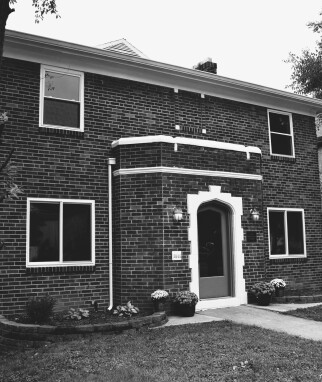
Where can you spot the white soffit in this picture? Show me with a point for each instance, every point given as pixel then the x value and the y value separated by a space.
pixel 96 60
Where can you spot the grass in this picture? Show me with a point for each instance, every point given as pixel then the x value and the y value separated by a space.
pixel 312 313
pixel 216 351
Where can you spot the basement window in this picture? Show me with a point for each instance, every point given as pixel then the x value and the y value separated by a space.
pixel 281 133
pixel 61 99
pixel 60 232
pixel 286 233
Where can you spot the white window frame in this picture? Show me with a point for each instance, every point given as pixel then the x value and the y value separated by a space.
pixel 286 255
pixel 61 263
pixel 68 72
pixel 289 135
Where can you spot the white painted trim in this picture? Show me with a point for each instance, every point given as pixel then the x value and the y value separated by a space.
pixel 286 255
pixel 68 72
pixel 235 206
pixel 111 46
pixel 185 171
pixel 56 264
pixel 186 141
pixel 288 135
pixel 23 46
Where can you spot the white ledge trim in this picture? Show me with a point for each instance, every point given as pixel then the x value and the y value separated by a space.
pixel 185 171
pixel 186 141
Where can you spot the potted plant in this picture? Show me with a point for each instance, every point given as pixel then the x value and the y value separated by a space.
pixel 263 292
pixel 279 286
pixel 159 298
pixel 185 303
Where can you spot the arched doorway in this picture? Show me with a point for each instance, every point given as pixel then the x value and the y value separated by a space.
pixel 214 252
pixel 232 208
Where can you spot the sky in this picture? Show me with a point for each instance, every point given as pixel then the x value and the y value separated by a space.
pixel 248 39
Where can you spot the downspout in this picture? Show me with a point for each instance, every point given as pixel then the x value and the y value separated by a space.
pixel 111 162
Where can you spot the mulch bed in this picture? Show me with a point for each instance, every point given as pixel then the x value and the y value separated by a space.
pixel 59 319
pixel 312 313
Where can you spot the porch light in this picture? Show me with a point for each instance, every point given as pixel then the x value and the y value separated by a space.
pixel 254 213
pixel 177 214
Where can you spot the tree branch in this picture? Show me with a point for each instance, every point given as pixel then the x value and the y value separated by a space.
pixel 5 163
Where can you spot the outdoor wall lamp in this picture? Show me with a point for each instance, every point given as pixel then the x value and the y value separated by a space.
pixel 254 213
pixel 177 214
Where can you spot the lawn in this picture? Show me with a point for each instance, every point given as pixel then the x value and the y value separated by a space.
pixel 313 313
pixel 216 351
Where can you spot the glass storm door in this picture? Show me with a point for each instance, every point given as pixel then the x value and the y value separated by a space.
pixel 214 254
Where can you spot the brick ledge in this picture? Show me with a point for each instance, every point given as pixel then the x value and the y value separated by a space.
pixel 14 335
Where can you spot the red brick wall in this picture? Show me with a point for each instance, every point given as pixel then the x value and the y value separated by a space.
pixel 73 165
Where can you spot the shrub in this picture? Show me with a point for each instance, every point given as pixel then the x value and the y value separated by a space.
pixel 262 288
pixel 186 298
pixel 77 314
pixel 39 309
pixel 125 310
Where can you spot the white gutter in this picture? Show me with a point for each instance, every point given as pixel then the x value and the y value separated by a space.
pixel 111 162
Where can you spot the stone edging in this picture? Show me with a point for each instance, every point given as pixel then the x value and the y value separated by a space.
pixel 16 335
pixel 298 299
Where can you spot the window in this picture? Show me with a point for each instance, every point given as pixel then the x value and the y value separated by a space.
pixel 286 232
pixel 281 133
pixel 61 99
pixel 60 232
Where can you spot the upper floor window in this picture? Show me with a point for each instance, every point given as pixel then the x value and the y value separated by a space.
pixel 281 133
pixel 61 98
pixel 286 232
pixel 60 232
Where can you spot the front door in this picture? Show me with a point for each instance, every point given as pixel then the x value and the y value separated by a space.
pixel 214 252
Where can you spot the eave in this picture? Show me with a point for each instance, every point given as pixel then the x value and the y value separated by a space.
pixel 48 51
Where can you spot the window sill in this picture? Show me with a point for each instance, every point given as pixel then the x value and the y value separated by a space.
pixel 53 131
pixel 278 158
pixel 60 269
pixel 288 259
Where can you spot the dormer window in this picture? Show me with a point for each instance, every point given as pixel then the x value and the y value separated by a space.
pixel 61 99
pixel 281 133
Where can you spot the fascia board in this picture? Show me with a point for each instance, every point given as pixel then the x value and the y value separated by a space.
pixel 94 60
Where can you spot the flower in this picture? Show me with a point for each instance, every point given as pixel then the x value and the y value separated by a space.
pixel 262 288
pixel 278 283
pixel 159 295
pixel 3 118
pixel 186 297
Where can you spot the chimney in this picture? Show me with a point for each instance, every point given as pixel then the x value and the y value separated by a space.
pixel 207 66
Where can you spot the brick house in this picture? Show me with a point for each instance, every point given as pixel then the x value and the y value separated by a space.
pixel 141 175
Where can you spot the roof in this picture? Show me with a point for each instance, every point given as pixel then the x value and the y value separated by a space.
pixel 54 52
pixel 122 46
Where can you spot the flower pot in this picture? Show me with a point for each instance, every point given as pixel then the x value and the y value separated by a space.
pixel 263 299
pixel 279 292
pixel 186 310
pixel 158 306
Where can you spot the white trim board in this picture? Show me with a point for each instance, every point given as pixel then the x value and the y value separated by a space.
pixel 186 141
pixel 186 171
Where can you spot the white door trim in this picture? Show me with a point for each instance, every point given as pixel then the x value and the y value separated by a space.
pixel 235 206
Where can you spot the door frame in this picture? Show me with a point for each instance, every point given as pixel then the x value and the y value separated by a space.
pixel 235 208
pixel 225 237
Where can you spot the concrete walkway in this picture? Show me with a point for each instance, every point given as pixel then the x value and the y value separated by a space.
pixel 265 317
